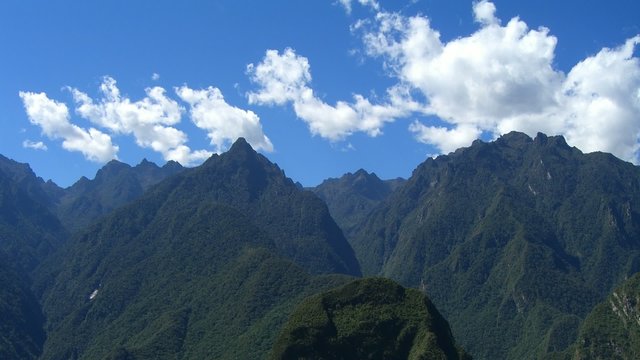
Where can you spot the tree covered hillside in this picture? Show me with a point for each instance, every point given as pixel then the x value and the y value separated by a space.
pixel 205 265
pixel 514 240
pixel 371 318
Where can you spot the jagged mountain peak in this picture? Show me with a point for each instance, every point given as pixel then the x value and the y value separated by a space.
pixel 360 182
pixel 172 165
pixel 363 173
pixel 241 150
pixel 241 143
pixel 114 185
pixel 112 168
pixel 146 164
pixel 16 170
pixel 352 196
pixel 246 168
pixel 514 139
pixel 253 184
pixel 364 176
pixel 519 140
pixel 556 141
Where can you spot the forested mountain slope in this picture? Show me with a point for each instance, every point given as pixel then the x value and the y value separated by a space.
pixel 114 185
pixel 612 329
pixel 515 240
pixel 29 233
pixel 351 197
pixel 204 265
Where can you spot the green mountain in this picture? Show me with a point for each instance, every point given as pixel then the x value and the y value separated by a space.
pixel 351 197
pixel 205 264
pixel 514 241
pixel 21 328
pixel 371 318
pixel 612 329
pixel 114 185
pixel 29 233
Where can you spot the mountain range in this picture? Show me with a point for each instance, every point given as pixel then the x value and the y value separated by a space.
pixel 525 246
pixel 514 240
pixel 351 197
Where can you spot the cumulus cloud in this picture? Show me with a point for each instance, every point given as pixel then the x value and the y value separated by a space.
pixel 447 140
pixel 35 145
pixel 484 12
pixel 224 123
pixel 501 78
pixel 370 3
pixel 53 118
pixel 155 76
pixel 150 120
pixel 284 78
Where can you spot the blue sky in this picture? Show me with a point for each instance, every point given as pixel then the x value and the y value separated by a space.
pixel 320 87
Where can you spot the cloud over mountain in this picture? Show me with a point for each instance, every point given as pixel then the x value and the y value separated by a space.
pixel 152 121
pixel 149 120
pixel 502 78
pixel 284 78
pixel 53 118
pixel 224 123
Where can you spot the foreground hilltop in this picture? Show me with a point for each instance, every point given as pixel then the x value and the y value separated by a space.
pixel 371 318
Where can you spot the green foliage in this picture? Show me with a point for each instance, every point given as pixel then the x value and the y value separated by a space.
pixel 514 240
pixel 29 231
pixel 371 318
pixel 352 197
pixel 612 329
pixel 115 185
pixel 205 265
pixel 21 324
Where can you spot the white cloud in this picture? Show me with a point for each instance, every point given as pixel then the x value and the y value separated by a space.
pixel 149 120
pixel 370 3
pixel 284 78
pixel 447 140
pixel 501 78
pixel 224 123
pixel 53 119
pixel 484 12
pixel 35 145
pixel 155 76
pixel 601 102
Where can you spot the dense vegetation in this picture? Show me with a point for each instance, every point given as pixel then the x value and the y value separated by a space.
pixel 29 233
pixel 29 230
pixel 351 197
pixel 21 320
pixel 115 185
pixel 612 329
pixel 515 240
pixel 370 318
pixel 205 265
